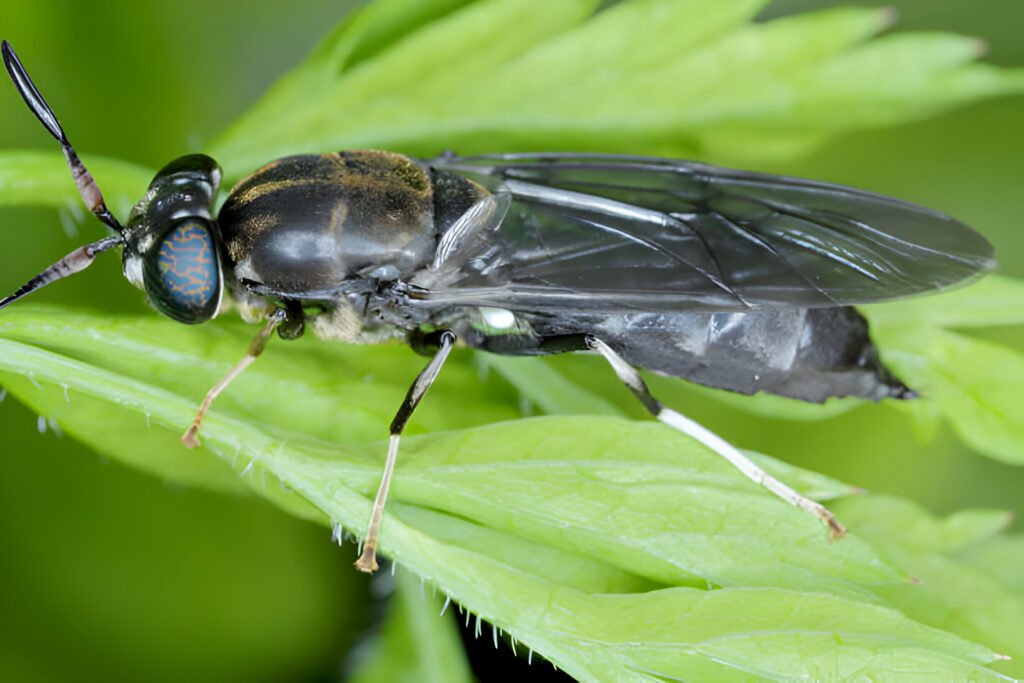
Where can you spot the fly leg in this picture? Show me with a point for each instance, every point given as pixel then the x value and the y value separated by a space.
pixel 367 561
pixel 191 437
pixel 632 379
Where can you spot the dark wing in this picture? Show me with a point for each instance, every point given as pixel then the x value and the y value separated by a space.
pixel 613 233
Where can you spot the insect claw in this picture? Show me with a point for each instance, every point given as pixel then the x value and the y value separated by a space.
pixel 367 562
pixel 835 529
pixel 191 437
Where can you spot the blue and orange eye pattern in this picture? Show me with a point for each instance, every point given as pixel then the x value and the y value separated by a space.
pixel 188 287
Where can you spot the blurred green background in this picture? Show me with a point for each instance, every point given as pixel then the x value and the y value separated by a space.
pixel 106 573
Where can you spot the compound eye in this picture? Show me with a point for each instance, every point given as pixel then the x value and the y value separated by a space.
pixel 182 274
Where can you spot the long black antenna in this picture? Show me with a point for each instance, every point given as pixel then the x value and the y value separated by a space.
pixel 87 187
pixel 80 258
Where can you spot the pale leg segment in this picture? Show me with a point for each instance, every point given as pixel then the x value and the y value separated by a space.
pixel 632 379
pixel 191 437
pixel 367 561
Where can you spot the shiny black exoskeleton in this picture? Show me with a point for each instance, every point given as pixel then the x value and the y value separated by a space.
pixel 353 240
pixel 733 279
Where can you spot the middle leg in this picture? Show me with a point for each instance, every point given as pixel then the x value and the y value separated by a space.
pixel 367 561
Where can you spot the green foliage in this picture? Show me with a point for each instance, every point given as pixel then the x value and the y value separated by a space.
pixel 616 549
pixel 960 588
pixel 414 646
pixel 556 511
pixel 973 383
pixel 684 77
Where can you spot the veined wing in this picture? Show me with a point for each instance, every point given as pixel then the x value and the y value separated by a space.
pixel 603 232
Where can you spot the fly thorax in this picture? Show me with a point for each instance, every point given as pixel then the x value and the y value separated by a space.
pixel 307 223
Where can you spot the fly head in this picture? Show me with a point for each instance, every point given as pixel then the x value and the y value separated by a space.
pixel 171 240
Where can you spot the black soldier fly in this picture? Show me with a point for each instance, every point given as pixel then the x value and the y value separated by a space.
pixel 732 279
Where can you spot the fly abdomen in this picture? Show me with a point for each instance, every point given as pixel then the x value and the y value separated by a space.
pixel 808 354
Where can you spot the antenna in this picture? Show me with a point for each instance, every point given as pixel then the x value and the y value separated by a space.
pixel 75 262
pixel 87 187
pixel 82 257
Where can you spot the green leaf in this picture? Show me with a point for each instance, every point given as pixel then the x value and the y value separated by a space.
pixel 957 589
pixel 970 382
pixel 617 549
pixel 558 566
pixel 449 53
pixel 736 634
pixel 892 80
pixel 362 36
pixel 973 384
pixel 414 644
pixel 500 75
pixel 1000 557
pixel 372 29
pixel 763 65
pixel 548 479
pixel 627 47
pixel 899 522
pixel 689 633
pixel 486 512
